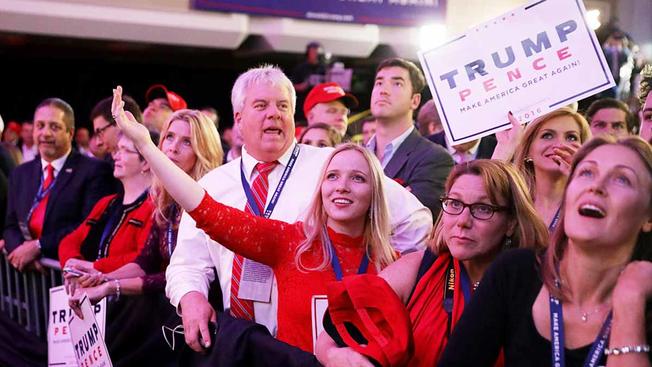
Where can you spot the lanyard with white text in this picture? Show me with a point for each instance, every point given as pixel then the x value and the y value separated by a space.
pixel 277 192
pixel 335 262
pixel 449 290
pixel 557 336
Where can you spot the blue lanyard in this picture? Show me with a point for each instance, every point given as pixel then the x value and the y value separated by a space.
pixel 41 194
pixel 277 192
pixel 557 336
pixel 103 247
pixel 555 220
pixel 335 262
pixel 449 290
pixel 170 231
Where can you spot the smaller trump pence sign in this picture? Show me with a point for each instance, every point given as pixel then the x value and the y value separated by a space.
pixel 88 339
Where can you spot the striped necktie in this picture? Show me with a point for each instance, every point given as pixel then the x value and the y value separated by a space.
pixel 243 308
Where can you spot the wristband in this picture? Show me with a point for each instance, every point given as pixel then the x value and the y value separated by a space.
pixel 643 348
pixel 117 289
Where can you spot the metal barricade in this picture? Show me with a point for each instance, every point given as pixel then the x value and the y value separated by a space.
pixel 25 296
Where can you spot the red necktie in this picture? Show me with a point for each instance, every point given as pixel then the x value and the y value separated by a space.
pixel 243 308
pixel 38 215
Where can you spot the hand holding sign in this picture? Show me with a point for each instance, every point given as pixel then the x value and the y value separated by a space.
pixel 94 294
pixel 508 140
pixel 87 339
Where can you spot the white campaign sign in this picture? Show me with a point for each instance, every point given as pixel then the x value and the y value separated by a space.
pixel 531 60
pixel 60 350
pixel 87 338
pixel 318 308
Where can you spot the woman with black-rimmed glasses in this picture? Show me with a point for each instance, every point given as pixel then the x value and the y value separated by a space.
pixel 486 209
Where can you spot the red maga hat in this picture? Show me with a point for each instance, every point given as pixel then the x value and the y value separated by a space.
pixel 14 126
pixel 328 92
pixel 365 314
pixel 175 101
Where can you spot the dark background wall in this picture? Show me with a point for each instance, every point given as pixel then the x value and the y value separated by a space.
pixel 84 71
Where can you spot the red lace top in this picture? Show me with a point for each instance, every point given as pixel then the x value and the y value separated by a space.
pixel 274 243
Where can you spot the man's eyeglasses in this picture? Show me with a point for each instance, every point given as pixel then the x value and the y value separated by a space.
pixel 101 130
pixel 480 211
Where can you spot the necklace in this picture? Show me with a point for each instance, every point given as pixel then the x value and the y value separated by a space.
pixel 476 285
pixel 585 315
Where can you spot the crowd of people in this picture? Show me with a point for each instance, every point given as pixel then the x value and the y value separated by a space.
pixel 296 247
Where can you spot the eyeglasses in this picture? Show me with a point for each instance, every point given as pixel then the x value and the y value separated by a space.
pixel 100 131
pixel 125 151
pixel 479 211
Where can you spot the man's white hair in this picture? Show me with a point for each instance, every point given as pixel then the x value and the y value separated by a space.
pixel 265 74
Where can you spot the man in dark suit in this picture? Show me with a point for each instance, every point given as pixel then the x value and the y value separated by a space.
pixel 406 156
pixel 51 195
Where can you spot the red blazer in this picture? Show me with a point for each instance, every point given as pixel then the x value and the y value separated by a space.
pixel 128 239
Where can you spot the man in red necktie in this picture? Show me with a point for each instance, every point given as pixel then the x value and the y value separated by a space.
pixel 50 195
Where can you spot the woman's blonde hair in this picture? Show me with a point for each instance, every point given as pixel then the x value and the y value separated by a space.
pixel 504 187
pixel 532 130
pixel 205 142
pixel 559 240
pixel 377 224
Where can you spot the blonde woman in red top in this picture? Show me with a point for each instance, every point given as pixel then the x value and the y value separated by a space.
pixel 346 230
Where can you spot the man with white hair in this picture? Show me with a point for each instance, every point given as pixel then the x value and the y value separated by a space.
pixel 264 102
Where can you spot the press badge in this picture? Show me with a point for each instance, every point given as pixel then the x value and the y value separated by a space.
pixel 256 282
pixel 318 307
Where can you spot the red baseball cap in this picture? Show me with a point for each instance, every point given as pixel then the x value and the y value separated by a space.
pixel 365 314
pixel 328 92
pixel 175 101
pixel 14 126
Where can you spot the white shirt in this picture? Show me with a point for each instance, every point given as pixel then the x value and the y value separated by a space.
pixel 196 254
pixel 467 156
pixel 390 148
pixel 29 153
pixel 57 164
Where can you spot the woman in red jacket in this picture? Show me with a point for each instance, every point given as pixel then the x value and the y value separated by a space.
pixel 116 230
pixel 193 143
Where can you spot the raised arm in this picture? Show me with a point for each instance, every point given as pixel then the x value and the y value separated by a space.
pixel 185 191
pixel 257 238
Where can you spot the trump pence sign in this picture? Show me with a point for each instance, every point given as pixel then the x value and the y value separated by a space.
pixel 530 61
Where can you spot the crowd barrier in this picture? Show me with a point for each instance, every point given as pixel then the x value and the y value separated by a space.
pixel 25 296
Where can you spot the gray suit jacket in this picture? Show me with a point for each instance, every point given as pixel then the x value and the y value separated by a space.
pixel 423 166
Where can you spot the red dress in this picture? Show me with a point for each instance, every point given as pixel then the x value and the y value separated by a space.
pixel 427 313
pixel 274 243
pixel 426 309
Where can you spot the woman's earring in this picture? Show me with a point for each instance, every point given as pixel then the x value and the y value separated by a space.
pixel 508 242
pixel 528 160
